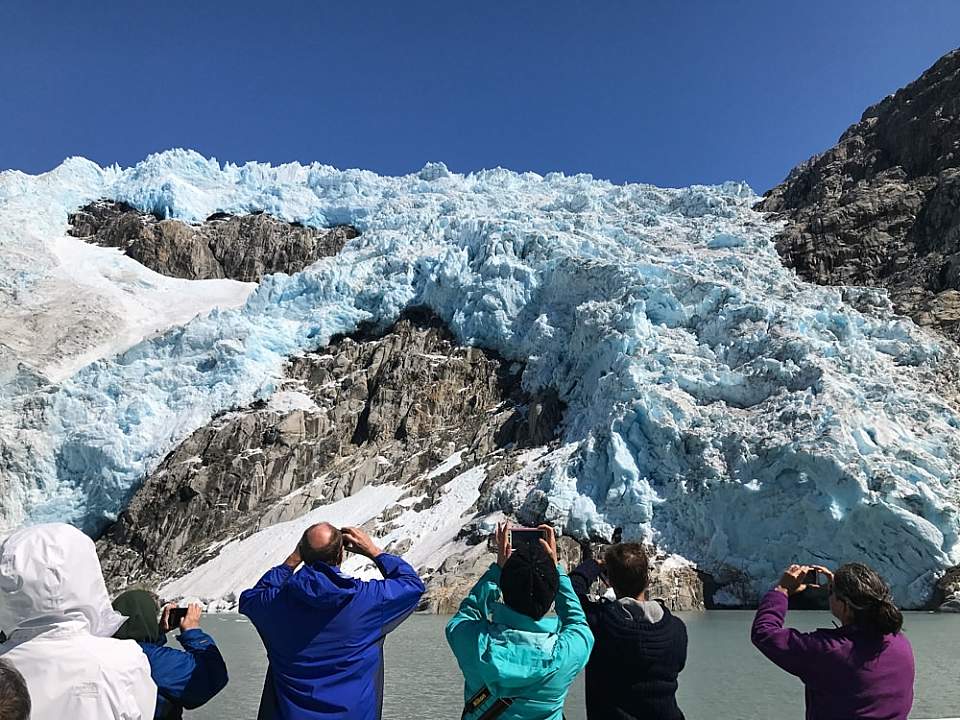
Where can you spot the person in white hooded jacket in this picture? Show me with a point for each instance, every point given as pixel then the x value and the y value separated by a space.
pixel 58 621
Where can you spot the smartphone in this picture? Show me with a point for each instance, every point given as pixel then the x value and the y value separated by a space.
pixel 525 536
pixel 175 616
pixel 811 578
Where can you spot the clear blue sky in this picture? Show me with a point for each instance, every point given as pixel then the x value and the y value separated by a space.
pixel 665 91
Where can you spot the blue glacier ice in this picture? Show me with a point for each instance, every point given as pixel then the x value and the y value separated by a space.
pixel 717 405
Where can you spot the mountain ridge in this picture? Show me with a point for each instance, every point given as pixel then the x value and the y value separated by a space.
pixel 882 206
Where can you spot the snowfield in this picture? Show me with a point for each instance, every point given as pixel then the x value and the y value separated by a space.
pixel 716 404
pixel 430 533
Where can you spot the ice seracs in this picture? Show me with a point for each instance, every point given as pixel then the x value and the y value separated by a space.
pixel 715 404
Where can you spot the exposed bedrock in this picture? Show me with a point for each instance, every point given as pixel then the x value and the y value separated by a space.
pixel 882 207
pixel 947 597
pixel 365 410
pixel 239 247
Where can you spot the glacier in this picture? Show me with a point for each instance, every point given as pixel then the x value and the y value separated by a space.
pixel 716 405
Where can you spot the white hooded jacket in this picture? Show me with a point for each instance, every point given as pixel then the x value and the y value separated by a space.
pixel 56 614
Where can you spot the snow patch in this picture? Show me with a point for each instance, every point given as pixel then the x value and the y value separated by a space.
pixel 240 563
pixel 446 466
pixel 286 401
pixel 429 535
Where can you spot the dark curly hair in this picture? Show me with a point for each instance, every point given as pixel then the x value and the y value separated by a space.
pixel 14 698
pixel 868 596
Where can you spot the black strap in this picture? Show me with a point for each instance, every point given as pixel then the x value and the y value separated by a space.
pixel 481 696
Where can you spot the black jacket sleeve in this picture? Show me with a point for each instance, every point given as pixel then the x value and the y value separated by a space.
pixel 585 574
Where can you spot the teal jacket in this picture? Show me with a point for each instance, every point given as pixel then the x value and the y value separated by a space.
pixel 530 661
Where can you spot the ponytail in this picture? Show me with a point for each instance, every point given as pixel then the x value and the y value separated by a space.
pixel 886 618
pixel 868 596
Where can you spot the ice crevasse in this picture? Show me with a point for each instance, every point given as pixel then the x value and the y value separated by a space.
pixel 716 404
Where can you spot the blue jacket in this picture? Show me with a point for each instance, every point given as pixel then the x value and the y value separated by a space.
pixel 185 678
pixel 324 633
pixel 531 662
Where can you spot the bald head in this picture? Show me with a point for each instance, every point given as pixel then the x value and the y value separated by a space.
pixel 321 543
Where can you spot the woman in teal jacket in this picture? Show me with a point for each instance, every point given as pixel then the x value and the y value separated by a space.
pixel 516 663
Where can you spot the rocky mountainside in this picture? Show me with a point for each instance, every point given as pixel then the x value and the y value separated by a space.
pixel 384 409
pixel 239 247
pixel 882 207
pixel 366 410
pixel 947 598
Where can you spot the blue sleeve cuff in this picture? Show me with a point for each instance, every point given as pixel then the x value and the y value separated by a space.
pixel 194 638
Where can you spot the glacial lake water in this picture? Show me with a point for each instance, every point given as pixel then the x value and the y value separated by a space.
pixel 725 677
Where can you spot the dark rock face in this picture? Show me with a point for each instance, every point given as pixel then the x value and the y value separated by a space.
pixel 882 207
pixel 239 247
pixel 947 598
pixel 372 409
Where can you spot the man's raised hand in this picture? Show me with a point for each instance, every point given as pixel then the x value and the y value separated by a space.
pixel 503 543
pixel 293 559
pixel 192 619
pixel 356 540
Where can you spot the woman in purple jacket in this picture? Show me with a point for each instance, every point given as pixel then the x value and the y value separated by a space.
pixel 862 669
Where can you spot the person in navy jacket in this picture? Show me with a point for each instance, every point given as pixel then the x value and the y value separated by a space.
pixel 185 678
pixel 324 630
pixel 640 647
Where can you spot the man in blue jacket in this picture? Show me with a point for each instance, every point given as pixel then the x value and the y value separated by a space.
pixel 324 630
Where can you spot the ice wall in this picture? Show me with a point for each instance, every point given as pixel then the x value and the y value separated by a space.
pixel 716 404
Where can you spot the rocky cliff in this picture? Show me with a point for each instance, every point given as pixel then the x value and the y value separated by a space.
pixel 239 247
pixel 947 598
pixel 368 409
pixel 882 207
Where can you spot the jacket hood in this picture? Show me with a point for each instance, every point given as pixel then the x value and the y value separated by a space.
pixel 518 652
pixel 322 586
pixel 50 575
pixel 630 630
pixel 141 611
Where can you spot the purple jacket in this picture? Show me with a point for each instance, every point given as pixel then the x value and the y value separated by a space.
pixel 848 672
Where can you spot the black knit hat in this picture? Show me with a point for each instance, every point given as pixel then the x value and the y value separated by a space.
pixel 529 581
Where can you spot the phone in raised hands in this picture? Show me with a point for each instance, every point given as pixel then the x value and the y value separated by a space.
pixel 175 616
pixel 525 536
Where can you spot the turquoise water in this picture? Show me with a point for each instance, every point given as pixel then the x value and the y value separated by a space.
pixel 725 677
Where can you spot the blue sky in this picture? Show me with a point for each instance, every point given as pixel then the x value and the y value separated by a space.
pixel 668 92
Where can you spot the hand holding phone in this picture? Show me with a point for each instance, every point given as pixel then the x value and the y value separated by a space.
pixel 171 617
pixel 174 617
